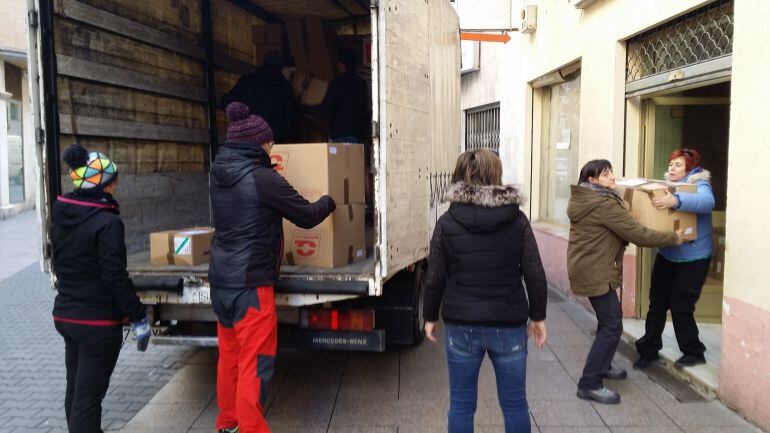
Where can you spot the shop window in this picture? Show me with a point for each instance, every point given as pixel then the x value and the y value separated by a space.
pixel 15 153
pixel 559 151
pixel 482 128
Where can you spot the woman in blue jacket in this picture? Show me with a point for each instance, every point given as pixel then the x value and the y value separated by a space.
pixel 679 272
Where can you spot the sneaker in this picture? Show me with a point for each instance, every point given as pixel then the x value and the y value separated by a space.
pixel 229 430
pixel 690 360
pixel 615 374
pixel 602 395
pixel 644 362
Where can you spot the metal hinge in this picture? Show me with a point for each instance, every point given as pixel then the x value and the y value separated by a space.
pixel 375 129
pixel 32 17
pixel 40 135
pixel 374 4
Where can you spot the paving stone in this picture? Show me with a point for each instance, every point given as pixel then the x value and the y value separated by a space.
pixel 549 429
pixel 706 414
pixel 564 413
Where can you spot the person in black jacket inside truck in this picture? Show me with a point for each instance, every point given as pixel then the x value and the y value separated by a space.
pixel 95 293
pixel 249 200
pixel 481 250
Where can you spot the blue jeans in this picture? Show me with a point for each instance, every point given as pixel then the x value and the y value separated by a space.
pixel 507 348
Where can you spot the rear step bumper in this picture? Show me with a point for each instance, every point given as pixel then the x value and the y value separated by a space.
pixel 322 287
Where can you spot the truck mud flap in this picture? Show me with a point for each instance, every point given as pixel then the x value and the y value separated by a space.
pixel 373 341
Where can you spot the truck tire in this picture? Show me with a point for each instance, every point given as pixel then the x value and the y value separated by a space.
pixel 419 301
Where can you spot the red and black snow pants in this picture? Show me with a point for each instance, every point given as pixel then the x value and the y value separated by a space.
pixel 246 364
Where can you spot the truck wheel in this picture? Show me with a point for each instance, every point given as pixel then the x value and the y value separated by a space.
pixel 419 300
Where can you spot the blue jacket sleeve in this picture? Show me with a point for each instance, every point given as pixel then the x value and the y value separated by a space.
pixel 701 201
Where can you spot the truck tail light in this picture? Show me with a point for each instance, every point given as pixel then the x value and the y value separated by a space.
pixel 337 320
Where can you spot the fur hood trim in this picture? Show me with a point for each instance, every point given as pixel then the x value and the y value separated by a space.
pixel 484 195
pixel 703 176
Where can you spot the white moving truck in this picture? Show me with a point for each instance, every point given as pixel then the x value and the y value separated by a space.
pixel 140 81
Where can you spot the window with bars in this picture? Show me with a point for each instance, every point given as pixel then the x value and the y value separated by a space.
pixel 702 35
pixel 482 128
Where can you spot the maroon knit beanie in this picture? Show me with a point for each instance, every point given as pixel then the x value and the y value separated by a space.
pixel 245 127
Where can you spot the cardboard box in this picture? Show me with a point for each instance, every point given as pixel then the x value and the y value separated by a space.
pixel 311 46
pixel 717 267
pixel 266 38
pixel 337 241
pixel 638 195
pixel 187 246
pixel 308 89
pixel 316 169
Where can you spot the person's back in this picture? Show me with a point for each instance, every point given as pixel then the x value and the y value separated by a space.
pixel 249 199
pixel 350 117
pixel 268 95
pixel 480 251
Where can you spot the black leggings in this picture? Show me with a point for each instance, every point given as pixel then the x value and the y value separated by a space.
pixel 91 353
pixel 676 287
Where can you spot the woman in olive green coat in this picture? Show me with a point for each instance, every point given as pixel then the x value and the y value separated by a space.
pixel 600 229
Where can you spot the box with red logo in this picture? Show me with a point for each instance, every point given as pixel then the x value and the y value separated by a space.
pixel 339 240
pixel 316 169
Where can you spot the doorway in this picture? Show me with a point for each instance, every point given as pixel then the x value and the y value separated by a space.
pixel 697 118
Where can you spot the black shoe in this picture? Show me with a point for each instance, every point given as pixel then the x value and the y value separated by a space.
pixel 690 360
pixel 602 395
pixel 229 430
pixel 644 362
pixel 615 374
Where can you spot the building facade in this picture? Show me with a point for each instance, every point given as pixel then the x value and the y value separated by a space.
pixel 631 81
pixel 17 148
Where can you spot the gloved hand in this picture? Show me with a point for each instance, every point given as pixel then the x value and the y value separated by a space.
pixel 142 332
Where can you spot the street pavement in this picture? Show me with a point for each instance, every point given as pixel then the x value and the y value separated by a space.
pixel 404 390
pixel 32 374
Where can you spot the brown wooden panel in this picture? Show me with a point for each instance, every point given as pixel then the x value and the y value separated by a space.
pixel 181 18
pixel 78 68
pixel 233 32
pixel 142 157
pixel 84 13
pixel 101 127
pixel 76 40
pixel 102 100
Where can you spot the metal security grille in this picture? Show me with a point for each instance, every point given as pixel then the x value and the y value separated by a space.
pixel 482 128
pixel 704 34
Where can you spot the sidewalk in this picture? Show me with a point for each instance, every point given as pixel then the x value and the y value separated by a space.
pixel 32 375
pixel 405 390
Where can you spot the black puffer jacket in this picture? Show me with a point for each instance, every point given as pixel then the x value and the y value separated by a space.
pixel 480 251
pixel 89 260
pixel 249 199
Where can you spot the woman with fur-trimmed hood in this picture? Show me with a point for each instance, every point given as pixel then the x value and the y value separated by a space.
pixel 481 250
pixel 679 272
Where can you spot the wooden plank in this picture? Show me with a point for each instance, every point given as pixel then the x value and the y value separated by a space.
pixel 73 67
pixel 231 64
pixel 114 23
pixel 181 18
pixel 100 127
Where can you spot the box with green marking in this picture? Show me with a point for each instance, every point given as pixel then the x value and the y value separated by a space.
pixel 189 246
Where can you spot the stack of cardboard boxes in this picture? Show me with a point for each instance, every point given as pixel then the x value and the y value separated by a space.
pixel 314 170
pixel 638 195
pixel 717 268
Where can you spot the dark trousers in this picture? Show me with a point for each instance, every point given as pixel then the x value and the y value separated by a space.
pixel 676 287
pixel 608 332
pixel 90 355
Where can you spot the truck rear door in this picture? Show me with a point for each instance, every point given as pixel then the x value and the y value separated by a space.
pixel 419 108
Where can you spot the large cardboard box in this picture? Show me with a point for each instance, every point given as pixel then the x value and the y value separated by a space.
pixel 717 267
pixel 311 46
pixel 638 195
pixel 316 169
pixel 337 241
pixel 266 38
pixel 188 246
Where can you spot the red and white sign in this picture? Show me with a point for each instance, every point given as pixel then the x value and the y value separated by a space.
pixel 281 161
pixel 306 245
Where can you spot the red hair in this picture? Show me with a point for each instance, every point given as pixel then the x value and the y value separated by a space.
pixel 691 157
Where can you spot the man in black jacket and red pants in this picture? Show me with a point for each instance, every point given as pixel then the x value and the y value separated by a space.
pixel 249 200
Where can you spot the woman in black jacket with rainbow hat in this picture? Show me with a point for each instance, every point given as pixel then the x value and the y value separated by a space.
pixel 95 294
